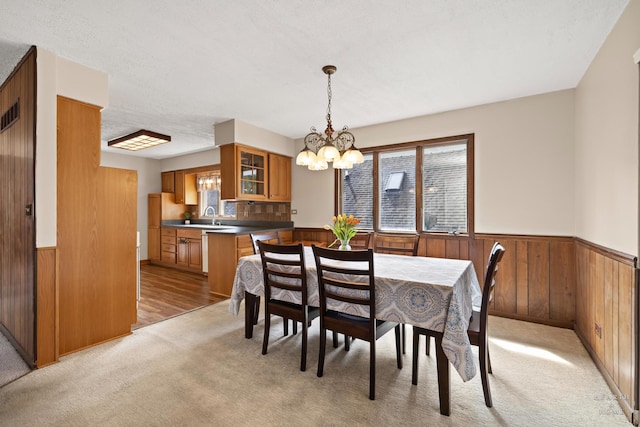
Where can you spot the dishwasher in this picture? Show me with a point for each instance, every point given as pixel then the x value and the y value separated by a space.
pixel 205 252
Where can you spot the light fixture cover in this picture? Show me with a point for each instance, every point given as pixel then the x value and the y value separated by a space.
pixel 139 140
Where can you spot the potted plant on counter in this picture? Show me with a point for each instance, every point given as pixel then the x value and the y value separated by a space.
pixel 187 217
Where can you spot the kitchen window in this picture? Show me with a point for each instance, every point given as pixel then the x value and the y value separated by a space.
pixel 425 186
pixel 210 204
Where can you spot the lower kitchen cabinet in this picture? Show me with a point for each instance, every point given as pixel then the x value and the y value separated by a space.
pixel 189 253
pixel 224 252
pixel 168 245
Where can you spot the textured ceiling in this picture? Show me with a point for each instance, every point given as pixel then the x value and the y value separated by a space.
pixel 179 67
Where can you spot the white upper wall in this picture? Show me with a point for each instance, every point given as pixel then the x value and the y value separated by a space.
pixel 57 76
pixel 235 130
pixel 523 164
pixel 607 140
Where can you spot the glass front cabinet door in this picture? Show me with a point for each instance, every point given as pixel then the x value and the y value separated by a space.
pixel 244 172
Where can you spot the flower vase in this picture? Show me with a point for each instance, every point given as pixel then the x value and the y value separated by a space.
pixel 344 245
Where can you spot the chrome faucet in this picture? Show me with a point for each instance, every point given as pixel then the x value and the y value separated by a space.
pixel 210 210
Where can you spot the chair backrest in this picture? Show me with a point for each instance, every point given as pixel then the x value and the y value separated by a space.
pixel 283 269
pixel 490 282
pixel 360 241
pixel 398 244
pixel 270 237
pixel 346 277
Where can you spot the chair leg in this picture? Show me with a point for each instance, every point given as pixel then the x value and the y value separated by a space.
pixel 267 326
pixel 444 386
pixel 414 359
pixel 404 340
pixel 303 357
pixel 295 326
pixel 398 354
pixel 256 310
pixel 428 344
pixel 285 323
pixel 372 369
pixel 347 342
pixel 323 346
pixel 335 339
pixel 484 357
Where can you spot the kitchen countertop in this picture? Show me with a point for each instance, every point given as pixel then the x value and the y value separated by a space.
pixel 230 229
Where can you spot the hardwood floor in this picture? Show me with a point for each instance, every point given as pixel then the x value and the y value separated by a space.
pixel 166 292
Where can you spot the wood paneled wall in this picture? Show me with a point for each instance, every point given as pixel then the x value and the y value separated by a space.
pixel 96 234
pixel 606 310
pixel 47 303
pixel 17 192
pixel 536 278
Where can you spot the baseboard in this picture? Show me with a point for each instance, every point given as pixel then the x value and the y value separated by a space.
pixel 625 405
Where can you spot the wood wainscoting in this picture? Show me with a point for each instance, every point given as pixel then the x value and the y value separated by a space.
pixel 536 279
pixel 47 307
pixel 557 281
pixel 606 316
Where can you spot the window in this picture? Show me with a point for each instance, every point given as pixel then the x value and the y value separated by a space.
pixel 444 183
pixel 357 191
pixel 210 205
pixel 425 186
pixel 397 197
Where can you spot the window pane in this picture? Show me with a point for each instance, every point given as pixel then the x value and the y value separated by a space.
pixel 444 174
pixel 397 192
pixel 357 191
pixel 211 206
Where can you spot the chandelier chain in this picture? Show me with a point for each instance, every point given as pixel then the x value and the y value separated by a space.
pixel 329 93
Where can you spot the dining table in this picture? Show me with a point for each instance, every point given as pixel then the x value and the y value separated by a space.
pixel 432 293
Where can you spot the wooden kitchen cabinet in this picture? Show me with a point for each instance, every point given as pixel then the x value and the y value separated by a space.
pixel 224 252
pixel 153 226
pixel 186 191
pixel 251 174
pixel 189 249
pixel 168 182
pixel 168 245
pixel 279 178
pixel 244 172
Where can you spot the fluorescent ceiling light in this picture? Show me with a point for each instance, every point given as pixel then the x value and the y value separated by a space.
pixel 139 140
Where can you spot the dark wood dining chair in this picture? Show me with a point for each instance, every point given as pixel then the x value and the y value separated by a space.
pixel 477 329
pixel 397 244
pixel 360 241
pixel 284 269
pixel 348 277
pixel 268 237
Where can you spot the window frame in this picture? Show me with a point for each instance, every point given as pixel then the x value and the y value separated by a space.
pixel 418 146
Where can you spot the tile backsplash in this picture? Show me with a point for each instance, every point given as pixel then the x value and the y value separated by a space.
pixel 257 211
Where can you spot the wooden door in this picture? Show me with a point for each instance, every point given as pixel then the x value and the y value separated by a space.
pixel 17 225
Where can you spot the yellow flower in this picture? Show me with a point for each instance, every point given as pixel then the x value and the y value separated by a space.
pixel 344 227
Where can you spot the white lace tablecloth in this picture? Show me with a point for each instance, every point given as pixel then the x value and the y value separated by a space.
pixel 433 293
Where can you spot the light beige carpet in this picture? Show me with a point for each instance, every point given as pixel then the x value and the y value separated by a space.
pixel 198 369
pixel 11 364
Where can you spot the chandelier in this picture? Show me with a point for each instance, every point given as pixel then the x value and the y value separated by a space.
pixel 319 149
